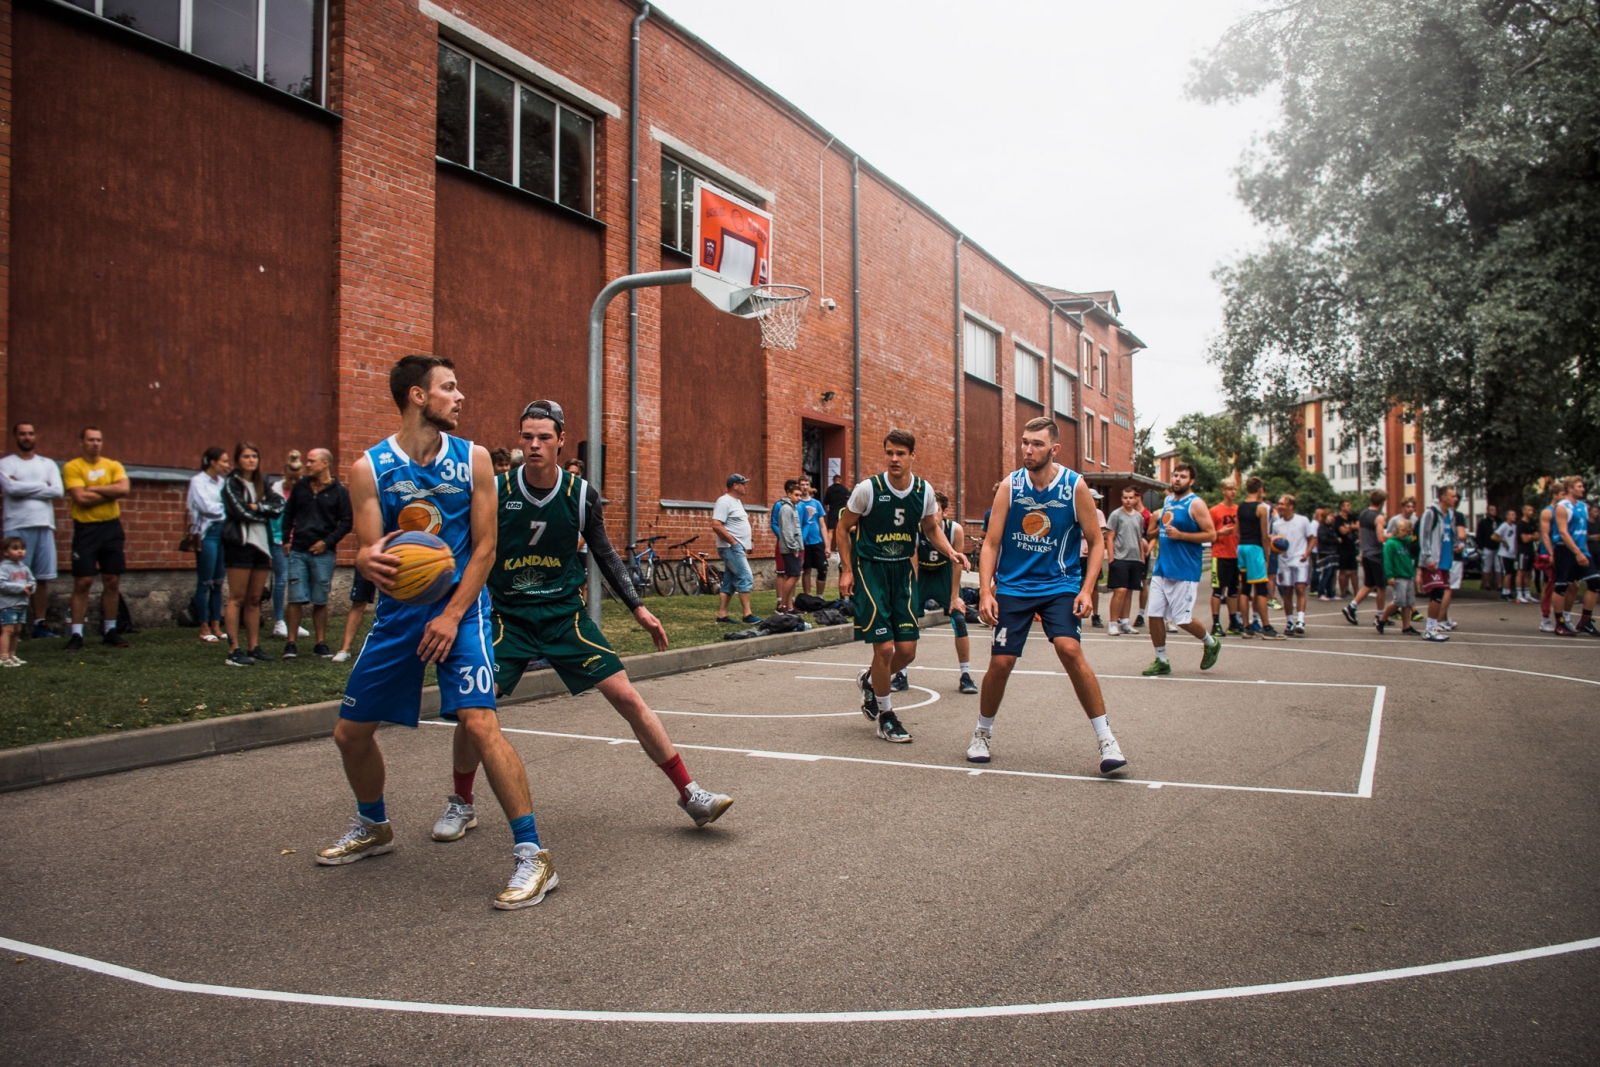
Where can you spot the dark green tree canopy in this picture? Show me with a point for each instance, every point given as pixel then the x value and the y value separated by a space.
pixel 1431 192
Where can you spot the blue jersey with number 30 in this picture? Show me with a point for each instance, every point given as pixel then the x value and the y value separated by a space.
pixel 435 497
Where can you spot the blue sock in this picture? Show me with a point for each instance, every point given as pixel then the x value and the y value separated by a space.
pixel 522 831
pixel 373 811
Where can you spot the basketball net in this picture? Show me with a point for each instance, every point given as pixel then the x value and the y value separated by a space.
pixel 778 308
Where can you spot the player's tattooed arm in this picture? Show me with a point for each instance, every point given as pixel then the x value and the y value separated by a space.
pixel 372 562
pixel 605 554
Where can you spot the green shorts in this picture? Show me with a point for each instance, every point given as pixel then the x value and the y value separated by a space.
pixel 884 601
pixel 933 583
pixel 564 636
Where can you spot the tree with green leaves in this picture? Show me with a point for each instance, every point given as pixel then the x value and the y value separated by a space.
pixel 1217 446
pixel 1144 453
pixel 1431 192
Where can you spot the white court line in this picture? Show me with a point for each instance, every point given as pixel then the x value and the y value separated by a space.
pixel 172 985
pixel 933 698
pixel 723 715
pixel 1369 761
pixel 1427 662
pixel 1163 680
pixel 968 769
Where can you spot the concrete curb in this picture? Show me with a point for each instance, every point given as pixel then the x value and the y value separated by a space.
pixel 86 757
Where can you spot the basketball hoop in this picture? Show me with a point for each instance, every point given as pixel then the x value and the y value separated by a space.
pixel 778 308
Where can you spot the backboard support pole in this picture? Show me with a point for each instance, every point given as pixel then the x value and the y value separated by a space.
pixel 597 373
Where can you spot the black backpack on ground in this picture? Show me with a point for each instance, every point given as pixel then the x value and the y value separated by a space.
pixel 831 617
pixel 781 624
pixel 807 602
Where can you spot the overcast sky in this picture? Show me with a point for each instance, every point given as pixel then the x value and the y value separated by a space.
pixel 1055 134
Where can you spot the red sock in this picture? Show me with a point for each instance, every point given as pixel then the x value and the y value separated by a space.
pixel 675 770
pixel 464 783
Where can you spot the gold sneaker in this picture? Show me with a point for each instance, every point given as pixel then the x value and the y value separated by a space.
pixel 533 878
pixel 363 839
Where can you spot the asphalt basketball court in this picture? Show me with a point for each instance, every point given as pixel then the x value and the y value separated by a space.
pixel 1306 812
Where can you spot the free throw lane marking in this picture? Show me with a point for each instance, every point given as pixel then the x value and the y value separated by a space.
pixel 155 981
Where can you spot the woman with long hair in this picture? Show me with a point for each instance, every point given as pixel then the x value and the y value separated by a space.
pixel 247 551
pixel 205 522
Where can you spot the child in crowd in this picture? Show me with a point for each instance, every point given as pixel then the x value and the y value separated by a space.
pixel 16 586
pixel 1401 571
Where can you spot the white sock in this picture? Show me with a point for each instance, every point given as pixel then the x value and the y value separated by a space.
pixel 77 628
pixel 1161 654
pixel 1209 639
pixel 109 626
pixel 1101 729
pixel 886 703
pixel 966 667
pixel 1300 617
pixel 1124 621
pixel 986 722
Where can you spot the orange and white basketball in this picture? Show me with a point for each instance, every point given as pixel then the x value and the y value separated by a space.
pixel 420 515
pixel 427 568
pixel 1035 524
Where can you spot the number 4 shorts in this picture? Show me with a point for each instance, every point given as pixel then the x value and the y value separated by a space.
pixel 386 683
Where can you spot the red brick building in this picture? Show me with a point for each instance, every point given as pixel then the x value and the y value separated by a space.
pixel 220 230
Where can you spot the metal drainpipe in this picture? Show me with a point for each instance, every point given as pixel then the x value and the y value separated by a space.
pixel 855 308
pixel 597 378
pixel 633 268
pixel 959 495
pixel 1050 372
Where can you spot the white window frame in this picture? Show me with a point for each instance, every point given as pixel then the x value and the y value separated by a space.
pixel 186 42
pixel 971 326
pixel 1105 372
pixel 1088 438
pixel 519 84
pixel 1021 353
pixel 1411 448
pixel 683 169
pixel 1105 441
pixel 1069 395
pixel 1411 478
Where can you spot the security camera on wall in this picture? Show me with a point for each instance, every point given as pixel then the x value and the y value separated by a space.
pixel 828 304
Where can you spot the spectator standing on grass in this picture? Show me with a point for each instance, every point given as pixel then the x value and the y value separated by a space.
pixel 248 508
pixel 362 594
pixel 815 558
pixel 791 544
pixel 731 523
pixel 1400 569
pixel 204 503
pixel 833 498
pixel 17 585
pixel 96 484
pixel 318 517
pixel 1373 533
pixel 283 485
pixel 30 484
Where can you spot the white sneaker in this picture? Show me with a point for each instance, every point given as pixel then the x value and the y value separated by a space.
pixel 458 818
pixel 1436 635
pixel 1111 757
pixel 342 656
pixel 1111 629
pixel 1448 624
pixel 280 629
pixel 10 661
pixel 704 806
pixel 1547 625
pixel 978 751
pixel 303 632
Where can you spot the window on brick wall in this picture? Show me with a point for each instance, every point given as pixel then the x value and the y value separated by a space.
pixel 979 345
pixel 677 204
pixel 509 131
pixel 1311 433
pixel 1086 363
pixel 1104 366
pixel 1088 435
pixel 1105 442
pixel 1066 391
pixel 1029 366
pixel 281 43
pixel 1311 461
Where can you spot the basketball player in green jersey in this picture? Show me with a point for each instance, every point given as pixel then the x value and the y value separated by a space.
pixel 881 523
pixel 939 584
pixel 536 587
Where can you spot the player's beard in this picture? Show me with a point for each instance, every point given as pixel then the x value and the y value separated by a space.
pixel 445 420
pixel 1035 466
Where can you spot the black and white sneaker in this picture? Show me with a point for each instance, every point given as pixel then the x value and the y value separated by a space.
pixel 869 699
pixel 889 728
pixel 289 651
pixel 259 654
pixel 967 685
pixel 1349 613
pixel 239 658
pixel 899 683
pixel 322 651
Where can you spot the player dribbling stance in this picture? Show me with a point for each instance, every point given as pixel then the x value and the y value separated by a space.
pixel 880 524
pixel 939 585
pixel 1030 565
pixel 536 588
pixel 422 478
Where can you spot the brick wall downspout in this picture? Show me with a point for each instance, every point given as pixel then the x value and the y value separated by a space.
pixel 959 494
pixel 633 268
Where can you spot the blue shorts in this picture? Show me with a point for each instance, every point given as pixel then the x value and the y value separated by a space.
pixel 1253 563
pixel 310 577
pixel 14 616
pixel 1016 619
pixel 386 683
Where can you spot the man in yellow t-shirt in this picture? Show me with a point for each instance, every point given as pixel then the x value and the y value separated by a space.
pixel 95 484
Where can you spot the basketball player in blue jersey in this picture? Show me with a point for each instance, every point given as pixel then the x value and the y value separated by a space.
pixel 1574 565
pixel 422 478
pixel 1184 527
pixel 1030 565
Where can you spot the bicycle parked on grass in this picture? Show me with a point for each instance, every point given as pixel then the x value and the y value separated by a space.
pixel 648 571
pixel 695 572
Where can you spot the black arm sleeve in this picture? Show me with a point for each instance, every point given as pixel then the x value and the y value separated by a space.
pixel 599 545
